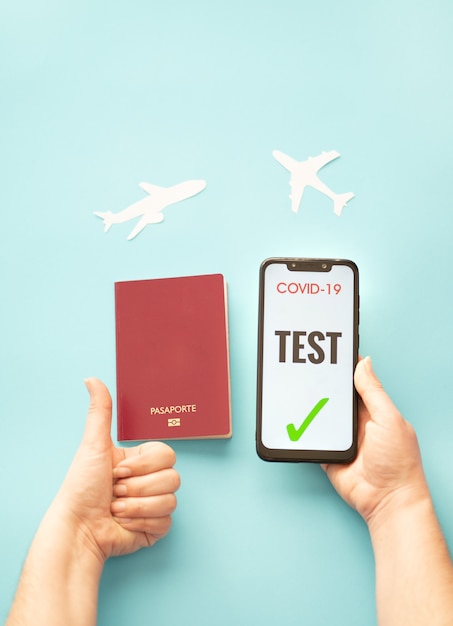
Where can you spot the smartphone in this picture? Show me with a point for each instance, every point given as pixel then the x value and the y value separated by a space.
pixel 307 352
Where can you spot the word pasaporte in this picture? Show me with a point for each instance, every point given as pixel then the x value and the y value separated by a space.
pixel 314 339
pixel 179 408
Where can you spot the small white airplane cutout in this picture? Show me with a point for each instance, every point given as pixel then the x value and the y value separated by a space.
pixel 305 174
pixel 151 207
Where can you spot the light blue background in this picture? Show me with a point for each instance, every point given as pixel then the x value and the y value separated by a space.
pixel 99 96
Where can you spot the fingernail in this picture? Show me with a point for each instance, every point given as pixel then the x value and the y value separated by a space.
pixel 118 506
pixel 119 490
pixel 121 472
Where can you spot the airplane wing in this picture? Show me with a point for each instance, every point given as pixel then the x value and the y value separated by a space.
pixel 288 162
pixel 153 216
pixel 296 183
pixel 297 191
pixel 324 158
pixel 149 188
pixel 138 228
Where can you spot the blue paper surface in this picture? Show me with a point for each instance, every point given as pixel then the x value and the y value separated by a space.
pixel 97 97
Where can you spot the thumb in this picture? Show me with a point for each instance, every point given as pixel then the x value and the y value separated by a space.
pixel 99 418
pixel 370 389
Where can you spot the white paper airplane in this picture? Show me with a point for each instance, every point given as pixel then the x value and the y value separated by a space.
pixel 151 207
pixel 305 174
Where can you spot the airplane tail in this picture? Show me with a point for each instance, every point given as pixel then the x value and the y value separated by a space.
pixel 107 217
pixel 340 201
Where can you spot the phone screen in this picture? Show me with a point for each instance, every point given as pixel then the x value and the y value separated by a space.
pixel 308 345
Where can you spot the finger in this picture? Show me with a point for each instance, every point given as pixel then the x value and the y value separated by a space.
pixel 156 527
pixel 99 418
pixel 376 401
pixel 155 484
pixel 151 506
pixel 363 417
pixel 145 459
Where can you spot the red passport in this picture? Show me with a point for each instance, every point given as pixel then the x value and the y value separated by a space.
pixel 172 358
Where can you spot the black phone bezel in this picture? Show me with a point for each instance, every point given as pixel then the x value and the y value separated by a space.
pixel 308 456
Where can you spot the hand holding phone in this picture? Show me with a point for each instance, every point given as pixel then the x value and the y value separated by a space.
pixel 307 352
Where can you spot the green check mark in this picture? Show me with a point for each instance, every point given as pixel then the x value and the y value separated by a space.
pixel 296 433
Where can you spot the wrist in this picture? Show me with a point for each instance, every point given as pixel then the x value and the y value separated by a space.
pixel 414 574
pixel 398 506
pixel 67 537
pixel 60 579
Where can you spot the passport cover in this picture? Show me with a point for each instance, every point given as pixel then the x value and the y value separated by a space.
pixel 172 358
